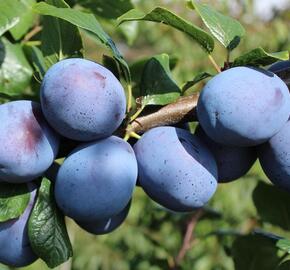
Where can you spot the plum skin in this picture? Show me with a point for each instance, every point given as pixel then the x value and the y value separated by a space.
pixel 96 180
pixel 243 106
pixel 82 100
pixel 175 168
pixel 107 225
pixel 274 157
pixel 15 249
pixel 29 145
pixel 233 162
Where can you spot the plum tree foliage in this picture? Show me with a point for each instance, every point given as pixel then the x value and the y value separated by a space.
pixel 78 136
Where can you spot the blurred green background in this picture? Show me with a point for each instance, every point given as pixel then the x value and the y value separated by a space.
pixel 151 237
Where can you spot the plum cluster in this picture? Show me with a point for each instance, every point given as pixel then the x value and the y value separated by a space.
pixel 243 114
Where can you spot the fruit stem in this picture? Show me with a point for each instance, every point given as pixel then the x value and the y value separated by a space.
pixel 131 134
pixel 129 102
pixel 214 63
pixel 137 113
pixel 135 135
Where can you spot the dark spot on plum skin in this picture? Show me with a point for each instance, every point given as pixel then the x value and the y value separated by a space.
pixel 117 116
pixel 101 78
pixel 216 115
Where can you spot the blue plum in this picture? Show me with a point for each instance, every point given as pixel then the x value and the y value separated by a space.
pixel 274 157
pixel 279 66
pixel 233 162
pixel 82 100
pixel 243 106
pixel 96 180
pixel 28 144
pixel 15 249
pixel 106 225
pixel 175 168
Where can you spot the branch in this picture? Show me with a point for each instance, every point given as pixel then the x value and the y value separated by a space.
pixel 183 110
pixel 188 238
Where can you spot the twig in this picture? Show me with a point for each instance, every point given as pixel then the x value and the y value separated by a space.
pixel 188 238
pixel 32 33
pixel 183 110
pixel 214 63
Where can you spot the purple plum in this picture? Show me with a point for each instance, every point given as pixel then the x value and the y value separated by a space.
pixel 176 169
pixel 82 100
pixel 96 180
pixel 243 106
pixel 28 145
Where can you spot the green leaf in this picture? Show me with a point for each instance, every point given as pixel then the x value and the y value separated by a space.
pixel 258 57
pixel 110 9
pixel 164 16
pixel 59 39
pixel 9 15
pixel 137 67
pixel 199 77
pixel 15 71
pixel 85 21
pixel 157 86
pixel 47 230
pixel 284 244
pixel 272 204
pixel 26 19
pixel 13 200
pixel 37 60
pixel 284 266
pixel 226 30
pixel 254 252
pixel 111 64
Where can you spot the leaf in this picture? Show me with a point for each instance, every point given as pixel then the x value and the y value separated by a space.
pixel 26 19
pixel 37 60
pixel 110 9
pixel 157 86
pixel 9 15
pixel 254 252
pixel 226 30
pixel 284 244
pixel 59 39
pixel 137 67
pixel 85 21
pixel 280 242
pixel 284 266
pixel 15 71
pixel 13 200
pixel 111 64
pixel 272 204
pixel 199 77
pixel 47 230
pixel 165 16
pixel 258 57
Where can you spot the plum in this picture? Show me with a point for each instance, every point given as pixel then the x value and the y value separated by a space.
pixel 274 157
pixel 176 169
pixel 28 144
pixel 106 225
pixel 233 162
pixel 96 180
pixel 82 100
pixel 243 106
pixel 15 249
